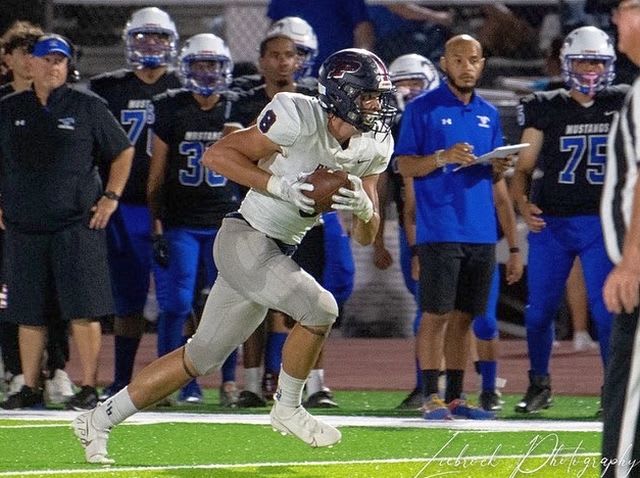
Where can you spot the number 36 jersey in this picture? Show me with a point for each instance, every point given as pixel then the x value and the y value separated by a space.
pixel 192 195
pixel 570 169
pixel 129 99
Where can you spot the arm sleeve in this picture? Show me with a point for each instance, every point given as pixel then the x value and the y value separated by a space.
pixel 280 120
pixel 109 137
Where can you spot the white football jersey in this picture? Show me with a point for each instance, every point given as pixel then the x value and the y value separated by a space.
pixel 299 125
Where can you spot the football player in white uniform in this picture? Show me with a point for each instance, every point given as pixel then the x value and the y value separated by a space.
pixel 346 128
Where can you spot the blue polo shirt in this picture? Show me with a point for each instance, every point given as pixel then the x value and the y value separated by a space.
pixel 452 206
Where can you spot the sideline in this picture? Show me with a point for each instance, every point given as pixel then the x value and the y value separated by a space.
pixel 147 418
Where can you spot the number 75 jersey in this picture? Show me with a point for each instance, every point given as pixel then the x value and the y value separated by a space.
pixel 570 168
pixel 129 99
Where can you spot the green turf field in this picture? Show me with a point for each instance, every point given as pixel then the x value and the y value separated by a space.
pixel 378 441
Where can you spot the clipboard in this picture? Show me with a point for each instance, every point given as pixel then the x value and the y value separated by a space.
pixel 499 152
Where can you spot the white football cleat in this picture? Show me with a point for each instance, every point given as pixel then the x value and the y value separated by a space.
pixel 303 425
pixel 93 440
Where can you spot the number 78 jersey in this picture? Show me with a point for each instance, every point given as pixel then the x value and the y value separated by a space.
pixel 129 99
pixel 570 168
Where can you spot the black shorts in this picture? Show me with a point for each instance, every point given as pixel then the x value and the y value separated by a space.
pixel 310 253
pixel 455 276
pixel 69 265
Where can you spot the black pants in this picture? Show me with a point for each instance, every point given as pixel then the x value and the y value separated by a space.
pixel 620 413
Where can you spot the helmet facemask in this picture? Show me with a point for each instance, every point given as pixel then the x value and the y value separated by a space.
pixel 588 83
pixel 376 120
pixel 587 44
pixel 150 49
pixel 205 75
pixel 306 60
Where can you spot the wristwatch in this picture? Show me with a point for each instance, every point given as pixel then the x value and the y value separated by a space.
pixel 111 195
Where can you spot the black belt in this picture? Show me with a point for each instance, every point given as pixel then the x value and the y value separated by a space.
pixel 286 249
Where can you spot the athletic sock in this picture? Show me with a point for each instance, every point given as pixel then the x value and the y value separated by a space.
pixel 430 382
pixel 114 410
pixel 315 381
pixel 229 367
pixel 488 371
pixel 126 349
pixel 253 380
pixel 418 376
pixel 273 351
pixel 289 393
pixel 454 385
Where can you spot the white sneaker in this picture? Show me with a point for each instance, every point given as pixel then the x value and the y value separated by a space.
pixel 15 384
pixel 59 388
pixel 303 425
pixel 582 342
pixel 93 440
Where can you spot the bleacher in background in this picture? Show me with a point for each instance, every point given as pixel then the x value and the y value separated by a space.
pixel 96 25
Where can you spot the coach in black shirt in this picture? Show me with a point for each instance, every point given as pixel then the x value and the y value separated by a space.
pixel 55 210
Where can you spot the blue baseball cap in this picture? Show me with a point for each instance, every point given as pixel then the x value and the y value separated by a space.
pixel 51 44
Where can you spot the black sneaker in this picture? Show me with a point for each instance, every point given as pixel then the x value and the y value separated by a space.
pixel 413 401
pixel 248 399
pixel 321 399
pixel 538 395
pixel 85 399
pixel 490 401
pixel 27 397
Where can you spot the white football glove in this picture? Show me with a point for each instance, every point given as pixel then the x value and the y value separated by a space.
pixel 291 191
pixel 355 200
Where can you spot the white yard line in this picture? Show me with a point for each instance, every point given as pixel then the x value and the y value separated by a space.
pixel 146 418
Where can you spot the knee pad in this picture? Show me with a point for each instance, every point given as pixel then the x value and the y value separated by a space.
pixel 485 328
pixel 323 314
pixel 206 357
